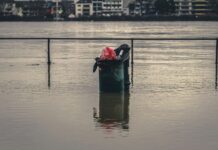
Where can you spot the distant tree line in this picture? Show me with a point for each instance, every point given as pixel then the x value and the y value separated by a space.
pixel 214 5
pixel 165 6
pixel 36 8
pixel 146 7
pixel 168 6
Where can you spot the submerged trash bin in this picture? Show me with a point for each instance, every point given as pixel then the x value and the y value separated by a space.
pixel 113 69
pixel 111 76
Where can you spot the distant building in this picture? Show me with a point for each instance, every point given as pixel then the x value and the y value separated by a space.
pixel 107 7
pixel 184 7
pixel 141 7
pixel 84 8
pixel 126 11
pixel 97 7
pixel 193 7
pixel 112 7
pixel 201 7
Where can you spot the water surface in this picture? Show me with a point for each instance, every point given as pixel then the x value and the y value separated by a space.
pixel 172 103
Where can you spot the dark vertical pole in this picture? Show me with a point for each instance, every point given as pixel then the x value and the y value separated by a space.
pixel 49 75
pixel 49 59
pixel 49 64
pixel 132 50
pixel 216 61
pixel 132 59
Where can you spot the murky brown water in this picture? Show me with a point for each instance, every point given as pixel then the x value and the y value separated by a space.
pixel 172 103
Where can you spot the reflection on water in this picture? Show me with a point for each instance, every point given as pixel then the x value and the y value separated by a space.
pixel 113 111
pixel 49 75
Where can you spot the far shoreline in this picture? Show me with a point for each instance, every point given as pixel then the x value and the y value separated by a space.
pixel 113 18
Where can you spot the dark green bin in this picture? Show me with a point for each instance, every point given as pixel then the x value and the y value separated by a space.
pixel 111 76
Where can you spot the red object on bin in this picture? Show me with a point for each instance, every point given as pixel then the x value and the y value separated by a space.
pixel 108 53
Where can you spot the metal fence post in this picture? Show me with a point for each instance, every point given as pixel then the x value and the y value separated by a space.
pixel 49 58
pixel 216 72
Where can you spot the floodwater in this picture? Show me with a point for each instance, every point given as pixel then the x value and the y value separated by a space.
pixel 172 103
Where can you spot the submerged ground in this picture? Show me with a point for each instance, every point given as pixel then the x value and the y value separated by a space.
pixel 172 103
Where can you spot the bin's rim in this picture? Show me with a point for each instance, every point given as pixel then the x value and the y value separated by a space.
pixel 110 62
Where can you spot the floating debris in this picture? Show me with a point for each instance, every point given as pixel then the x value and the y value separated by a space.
pixel 33 64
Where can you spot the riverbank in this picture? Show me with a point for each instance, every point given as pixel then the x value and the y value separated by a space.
pixel 115 18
